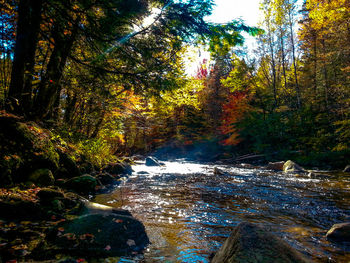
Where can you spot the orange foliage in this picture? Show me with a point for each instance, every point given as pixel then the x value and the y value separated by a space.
pixel 233 112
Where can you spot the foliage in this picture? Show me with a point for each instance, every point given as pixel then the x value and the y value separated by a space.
pixel 97 152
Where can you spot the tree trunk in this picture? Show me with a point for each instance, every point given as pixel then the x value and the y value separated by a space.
pixel 50 86
pixel 294 59
pixel 28 26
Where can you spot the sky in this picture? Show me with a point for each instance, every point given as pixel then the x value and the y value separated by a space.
pixel 225 11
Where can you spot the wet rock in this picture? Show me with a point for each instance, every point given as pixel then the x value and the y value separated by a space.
pixel 347 169
pixel 95 208
pixel 152 161
pixel 83 184
pixel 98 235
pixel 106 178
pixel 218 171
pixel 118 168
pixel 291 167
pixel 137 157
pixel 42 177
pixel 249 243
pixel 339 232
pixel 276 166
pixel 142 172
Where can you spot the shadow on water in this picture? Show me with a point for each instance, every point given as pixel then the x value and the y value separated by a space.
pixel 189 211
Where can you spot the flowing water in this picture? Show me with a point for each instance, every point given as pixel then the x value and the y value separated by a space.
pixel 189 211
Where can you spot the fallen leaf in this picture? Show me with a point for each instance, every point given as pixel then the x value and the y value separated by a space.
pixel 118 221
pixel 108 247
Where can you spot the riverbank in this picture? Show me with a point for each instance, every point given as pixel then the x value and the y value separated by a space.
pixel 44 192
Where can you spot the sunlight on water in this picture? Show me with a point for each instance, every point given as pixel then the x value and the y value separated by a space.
pixel 172 167
pixel 189 209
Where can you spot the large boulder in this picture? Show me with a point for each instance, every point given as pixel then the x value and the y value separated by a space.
pixel 339 232
pixel 68 166
pixel 98 235
pixel 152 161
pixel 119 168
pixel 24 147
pixel 83 184
pixel 107 179
pixel 249 243
pixel 42 177
pixel 291 167
pixel 347 169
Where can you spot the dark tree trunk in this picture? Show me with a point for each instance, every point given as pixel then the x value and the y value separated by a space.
pixel 50 86
pixel 28 26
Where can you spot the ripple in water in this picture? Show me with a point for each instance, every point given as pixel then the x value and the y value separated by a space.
pixel 189 211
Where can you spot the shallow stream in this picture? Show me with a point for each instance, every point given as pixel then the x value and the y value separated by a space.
pixel 189 211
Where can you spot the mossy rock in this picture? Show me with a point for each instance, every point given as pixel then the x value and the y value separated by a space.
pixel 83 184
pixel 68 163
pixel 118 168
pixel 42 177
pixel 24 147
pixel 99 235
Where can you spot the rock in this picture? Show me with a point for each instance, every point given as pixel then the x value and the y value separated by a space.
pixel 118 168
pixel 83 184
pixel 276 166
pixel 106 178
pixel 291 167
pixel 138 157
pixel 99 235
pixel 249 243
pixel 152 161
pixel 24 147
pixel 347 169
pixel 218 171
pixel 142 172
pixel 86 167
pixel 42 177
pixel 49 194
pixel 95 208
pixel 66 162
pixel 339 232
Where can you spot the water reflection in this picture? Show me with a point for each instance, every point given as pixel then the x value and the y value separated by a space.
pixel 188 210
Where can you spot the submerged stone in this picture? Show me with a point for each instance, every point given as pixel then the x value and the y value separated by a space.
pixel 249 243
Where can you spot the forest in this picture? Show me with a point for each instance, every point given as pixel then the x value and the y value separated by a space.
pixel 110 77
pixel 110 147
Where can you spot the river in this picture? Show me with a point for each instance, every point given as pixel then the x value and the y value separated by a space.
pixel 189 211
